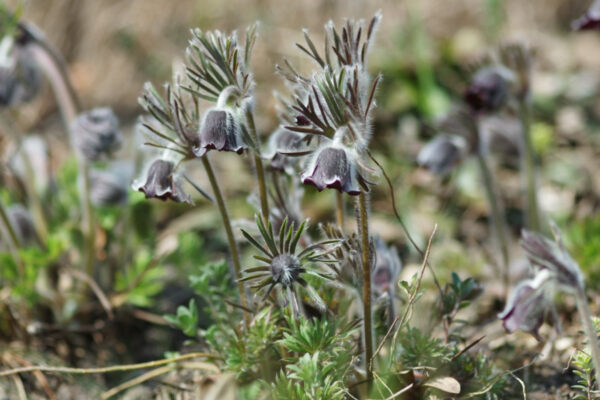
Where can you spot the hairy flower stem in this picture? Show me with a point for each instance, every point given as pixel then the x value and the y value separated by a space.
pixel 533 217
pixel 229 231
pixel 12 239
pixel 363 224
pixel 260 170
pixel 54 69
pixel 339 209
pixel 590 331
pixel 497 215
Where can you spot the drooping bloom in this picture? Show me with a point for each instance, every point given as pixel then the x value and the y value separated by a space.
pixel 529 304
pixel 387 266
pixel 220 130
pixel 443 153
pixel 161 183
pixel 555 269
pixel 489 89
pixel 285 265
pixel 334 166
pixel 22 222
pixel 283 141
pixel 109 187
pixel 96 133
pixel 20 77
pixel 589 20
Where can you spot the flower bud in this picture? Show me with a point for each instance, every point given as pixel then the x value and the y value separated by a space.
pixel 96 133
pixel 331 167
pixel 160 183
pixel 220 130
pixel 488 90
pixel 443 153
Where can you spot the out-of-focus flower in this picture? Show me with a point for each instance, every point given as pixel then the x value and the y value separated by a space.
pixel 548 255
pixel 530 301
pixel 501 134
pixel 110 187
pixel 285 265
pixel 22 222
pixel 161 183
pixel 35 149
pixel 96 133
pixel 489 89
pixel 20 77
pixel 220 130
pixel 529 304
pixel 283 141
pixel 589 20
pixel 334 166
pixel 443 153
pixel 387 266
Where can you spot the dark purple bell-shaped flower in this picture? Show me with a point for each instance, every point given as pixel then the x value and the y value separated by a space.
pixel 332 167
pixel 387 267
pixel 488 90
pixel 281 141
pixel 443 153
pixel 529 304
pixel 220 130
pixel 22 222
pixel 20 79
pixel 161 183
pixel 96 133
pixel 589 20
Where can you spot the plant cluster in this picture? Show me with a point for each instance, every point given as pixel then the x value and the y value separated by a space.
pixel 295 310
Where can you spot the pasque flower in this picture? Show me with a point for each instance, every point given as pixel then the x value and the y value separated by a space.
pixel 443 153
pixel 488 89
pixel 335 166
pixel 96 133
pixel 387 266
pixel 283 141
pixel 555 269
pixel 589 20
pixel 20 77
pixel 161 183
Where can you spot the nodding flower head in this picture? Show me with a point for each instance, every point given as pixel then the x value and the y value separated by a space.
pixel 220 130
pixel 545 254
pixel 280 142
pixel 96 133
pixel 589 20
pixel 284 265
pixel 335 166
pixel 530 301
pixel 489 89
pixel 110 187
pixel 21 220
pixel 387 267
pixel 529 304
pixel 20 77
pixel 443 153
pixel 161 183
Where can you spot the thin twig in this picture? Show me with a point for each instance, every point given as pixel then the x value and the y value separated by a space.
pixel 104 370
